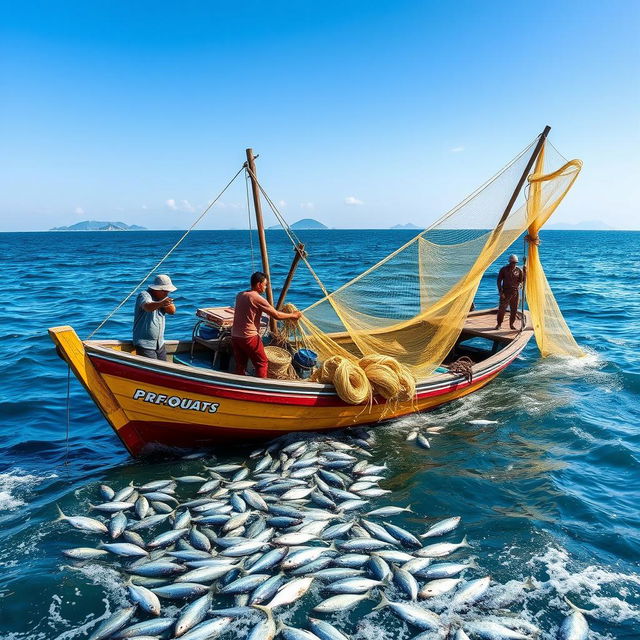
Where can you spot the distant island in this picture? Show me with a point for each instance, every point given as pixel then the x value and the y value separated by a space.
pixel 409 225
pixel 585 225
pixel 95 225
pixel 305 223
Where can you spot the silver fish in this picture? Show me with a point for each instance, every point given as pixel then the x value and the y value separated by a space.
pixel 353 585
pixel 574 626
pixel 83 523
pixel 167 538
pixel 445 570
pixel 148 627
pixel 181 591
pixel 246 584
pixel 157 569
pixel 292 633
pixel 84 553
pixel 208 629
pixel 193 614
pixel 111 507
pixel 145 598
pixel 494 630
pixel 384 512
pixel 267 589
pixel 411 613
pixel 290 592
pixel 423 441
pixel 406 582
pixel 117 525
pixel 206 574
pixel 325 631
pixel 125 549
pixel 340 603
pixel 106 492
pixel 436 588
pixel 471 592
pixel 442 527
pixel 441 549
pixel 113 623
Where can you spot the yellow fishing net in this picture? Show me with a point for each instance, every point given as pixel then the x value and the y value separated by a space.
pixel 413 304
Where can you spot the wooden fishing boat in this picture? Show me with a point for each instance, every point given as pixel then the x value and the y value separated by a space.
pixel 151 404
pixel 192 401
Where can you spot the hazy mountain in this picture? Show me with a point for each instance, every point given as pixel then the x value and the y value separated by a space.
pixel 305 223
pixel 409 225
pixel 95 225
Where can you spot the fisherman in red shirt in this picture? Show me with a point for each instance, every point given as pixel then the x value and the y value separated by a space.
pixel 245 334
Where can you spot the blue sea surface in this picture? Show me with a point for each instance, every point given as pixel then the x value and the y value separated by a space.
pixel 548 489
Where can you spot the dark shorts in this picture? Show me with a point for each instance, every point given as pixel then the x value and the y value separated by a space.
pixel 154 354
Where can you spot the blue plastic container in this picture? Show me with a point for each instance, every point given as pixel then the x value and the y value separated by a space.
pixel 304 361
pixel 208 333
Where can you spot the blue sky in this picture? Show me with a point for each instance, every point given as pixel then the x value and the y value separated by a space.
pixel 365 114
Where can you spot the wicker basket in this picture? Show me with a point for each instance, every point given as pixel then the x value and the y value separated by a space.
pixel 279 366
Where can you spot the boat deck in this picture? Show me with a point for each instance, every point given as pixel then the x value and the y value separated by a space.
pixel 482 324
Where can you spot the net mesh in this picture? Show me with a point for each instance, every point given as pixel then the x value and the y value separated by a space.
pixel 413 304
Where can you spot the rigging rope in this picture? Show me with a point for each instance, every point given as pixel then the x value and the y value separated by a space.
pixel 175 246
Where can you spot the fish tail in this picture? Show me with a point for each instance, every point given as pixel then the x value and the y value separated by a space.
pixel 575 607
pixel 61 515
pixel 465 542
pixel 266 610
pixel 384 602
pixel 409 508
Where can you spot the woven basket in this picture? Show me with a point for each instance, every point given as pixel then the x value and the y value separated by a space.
pixel 279 366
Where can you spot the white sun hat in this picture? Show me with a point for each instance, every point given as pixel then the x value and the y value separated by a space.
pixel 162 282
pixel 512 258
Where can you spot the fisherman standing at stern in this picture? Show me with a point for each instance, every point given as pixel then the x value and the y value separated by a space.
pixel 510 279
pixel 149 318
pixel 245 333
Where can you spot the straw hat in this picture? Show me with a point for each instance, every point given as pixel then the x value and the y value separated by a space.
pixel 162 282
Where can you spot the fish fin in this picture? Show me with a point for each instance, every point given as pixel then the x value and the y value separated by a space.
pixel 473 564
pixel 409 509
pixel 61 515
pixel 384 602
pixel 465 542
pixel 575 607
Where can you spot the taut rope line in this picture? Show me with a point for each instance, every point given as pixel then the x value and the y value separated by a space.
pixel 175 246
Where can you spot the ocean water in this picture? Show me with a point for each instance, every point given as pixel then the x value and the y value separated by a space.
pixel 548 490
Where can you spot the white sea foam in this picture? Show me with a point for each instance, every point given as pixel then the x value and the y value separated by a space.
pixel 15 487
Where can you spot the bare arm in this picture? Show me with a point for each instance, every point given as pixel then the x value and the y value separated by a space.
pixel 280 315
pixel 165 303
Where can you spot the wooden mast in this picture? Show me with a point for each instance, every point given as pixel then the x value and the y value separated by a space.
pixel 260 225
pixel 523 177
pixel 300 253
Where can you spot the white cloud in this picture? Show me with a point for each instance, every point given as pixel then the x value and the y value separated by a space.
pixel 79 211
pixel 282 203
pixel 456 149
pixel 352 200
pixel 307 205
pixel 144 206
pixel 183 205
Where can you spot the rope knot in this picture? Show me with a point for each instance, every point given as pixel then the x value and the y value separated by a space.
pixel 533 239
